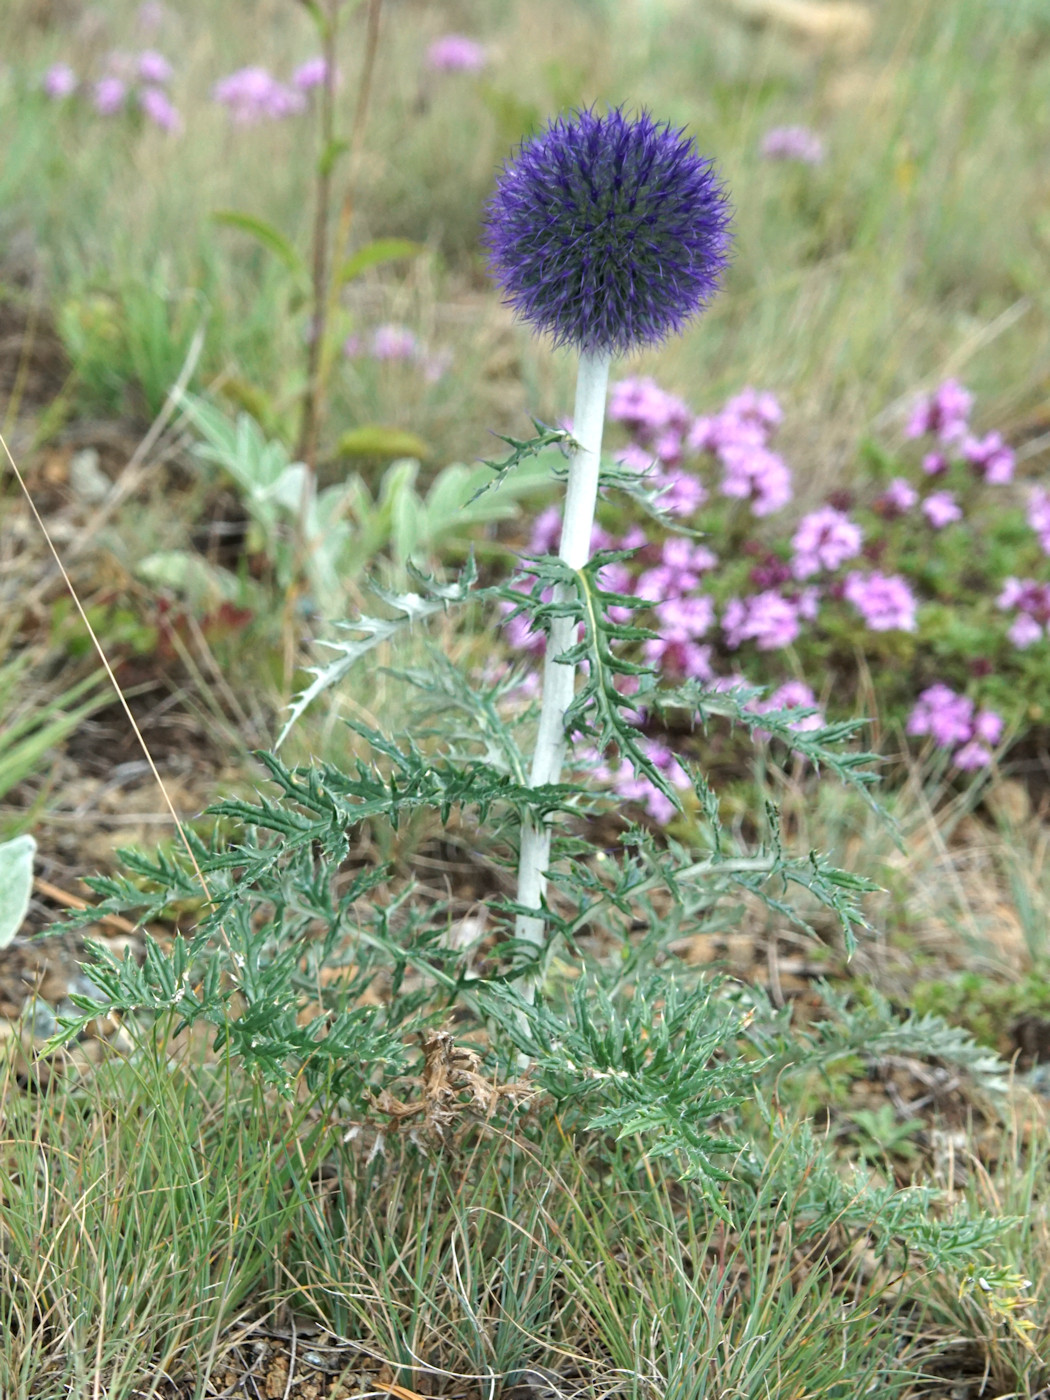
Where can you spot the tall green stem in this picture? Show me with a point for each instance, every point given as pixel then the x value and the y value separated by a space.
pixel 559 678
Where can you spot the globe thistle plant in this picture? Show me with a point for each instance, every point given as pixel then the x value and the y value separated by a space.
pixel 608 233
pixel 605 233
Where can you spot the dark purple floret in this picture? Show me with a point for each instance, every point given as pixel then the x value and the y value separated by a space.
pixel 608 233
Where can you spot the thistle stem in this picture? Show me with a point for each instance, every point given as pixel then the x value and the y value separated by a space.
pixel 559 678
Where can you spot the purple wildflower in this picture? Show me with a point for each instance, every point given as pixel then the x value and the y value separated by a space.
pixel 935 464
pixel 757 475
pixel 681 564
pixel 724 430
pixel 1032 602
pixel 311 74
pixel 682 621
pixel 455 53
pixel 608 233
pixel 154 68
pixel 941 509
pixel 990 458
pixel 392 342
pixel 668 448
pixel 688 617
pixel 768 619
pixel 756 406
pixel 988 726
pixel 159 108
pixel 884 601
pixel 646 409
pixel 944 413
pixel 1024 631
pixel 546 532
pixel 59 81
pixel 899 497
pixel 825 539
pixel 1039 515
pixel 109 96
pixel 972 756
pixel 951 719
pixel 943 714
pixel 252 95
pixel 793 143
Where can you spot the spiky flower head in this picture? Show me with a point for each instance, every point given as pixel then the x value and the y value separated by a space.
pixel 608 232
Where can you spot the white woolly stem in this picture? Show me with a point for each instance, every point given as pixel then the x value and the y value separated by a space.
pixel 559 679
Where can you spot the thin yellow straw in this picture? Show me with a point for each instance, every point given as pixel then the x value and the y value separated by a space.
pixel 109 669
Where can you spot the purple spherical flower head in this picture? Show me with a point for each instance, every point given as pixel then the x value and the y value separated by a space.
pixel 608 233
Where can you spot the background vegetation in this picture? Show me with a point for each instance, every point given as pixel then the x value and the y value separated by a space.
pixel 170 1227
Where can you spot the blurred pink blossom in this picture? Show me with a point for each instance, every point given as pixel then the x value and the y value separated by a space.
pixel 884 601
pixel 159 108
pixel 109 96
pixel 1039 515
pixel 393 342
pixel 311 74
pixel 944 413
pixel 153 67
pixel 455 53
pixel 59 81
pixel 941 509
pixel 825 539
pixel 900 495
pixel 253 94
pixel 793 143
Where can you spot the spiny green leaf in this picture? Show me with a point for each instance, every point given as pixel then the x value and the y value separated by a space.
pixel 521 450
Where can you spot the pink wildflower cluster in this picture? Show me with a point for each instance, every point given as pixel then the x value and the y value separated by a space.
pixel 1039 515
pixel 251 95
pixel 141 78
pixel 884 601
pixel 665 433
pixel 798 143
pixel 392 343
pixel 60 82
pixel 455 53
pixel 898 498
pixel 952 721
pixel 941 509
pixel 311 74
pixel 1031 602
pixel 945 415
pixel 665 436
pixel 825 562
pixel 769 619
pixel 825 539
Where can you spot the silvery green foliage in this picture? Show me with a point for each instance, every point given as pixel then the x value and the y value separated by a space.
pixel 16 884
pixel 272 893
pixel 335 534
pixel 681 1063
pixel 407 608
